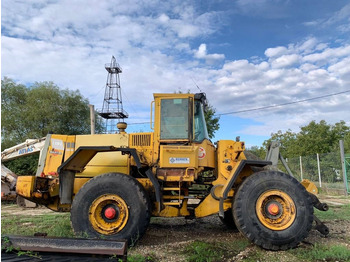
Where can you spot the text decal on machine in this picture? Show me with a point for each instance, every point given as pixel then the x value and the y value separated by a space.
pixel 179 160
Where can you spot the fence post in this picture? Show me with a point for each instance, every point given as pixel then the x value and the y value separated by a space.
pixel 319 169
pixel 301 168
pixel 342 155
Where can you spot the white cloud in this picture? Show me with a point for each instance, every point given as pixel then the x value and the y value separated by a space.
pixel 290 74
pixel 328 54
pixel 285 61
pixel 201 53
pixel 276 51
pixel 308 45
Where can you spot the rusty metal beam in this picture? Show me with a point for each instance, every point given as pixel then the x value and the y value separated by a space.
pixel 69 245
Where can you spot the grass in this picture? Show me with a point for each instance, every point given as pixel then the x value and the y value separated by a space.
pixel 57 225
pixel 322 253
pixel 334 213
pixel 200 251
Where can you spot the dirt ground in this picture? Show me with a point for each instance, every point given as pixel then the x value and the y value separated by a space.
pixel 166 237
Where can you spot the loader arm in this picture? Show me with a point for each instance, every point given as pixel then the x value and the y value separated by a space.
pixel 9 178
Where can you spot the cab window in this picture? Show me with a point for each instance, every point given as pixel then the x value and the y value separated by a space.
pixel 200 126
pixel 174 123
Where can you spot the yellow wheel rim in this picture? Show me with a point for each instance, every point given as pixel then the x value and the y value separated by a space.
pixel 108 214
pixel 275 210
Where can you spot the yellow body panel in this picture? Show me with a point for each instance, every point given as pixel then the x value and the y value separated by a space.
pixel 178 156
pixel 78 183
pixel 206 154
pixel 210 206
pixel 25 186
pixel 61 147
pixel 309 186
pixel 70 147
pixel 170 211
pixel 229 154
pixel 108 161
pixel 143 143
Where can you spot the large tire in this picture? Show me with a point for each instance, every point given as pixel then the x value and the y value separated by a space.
pixel 111 206
pixel 273 210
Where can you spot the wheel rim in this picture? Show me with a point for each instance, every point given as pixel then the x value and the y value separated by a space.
pixel 275 210
pixel 108 214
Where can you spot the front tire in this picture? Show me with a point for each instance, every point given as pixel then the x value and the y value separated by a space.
pixel 111 206
pixel 273 210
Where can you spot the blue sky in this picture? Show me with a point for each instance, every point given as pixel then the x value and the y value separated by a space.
pixel 244 54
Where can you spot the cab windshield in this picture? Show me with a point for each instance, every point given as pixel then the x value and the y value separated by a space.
pixel 174 123
pixel 200 127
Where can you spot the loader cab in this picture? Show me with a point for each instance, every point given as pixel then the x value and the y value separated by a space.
pixel 179 118
pixel 181 141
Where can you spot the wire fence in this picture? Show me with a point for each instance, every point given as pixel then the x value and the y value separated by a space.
pixel 325 170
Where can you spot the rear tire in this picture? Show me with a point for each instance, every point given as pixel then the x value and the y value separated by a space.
pixel 273 210
pixel 111 206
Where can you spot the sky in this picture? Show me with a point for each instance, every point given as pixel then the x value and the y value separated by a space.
pixel 244 54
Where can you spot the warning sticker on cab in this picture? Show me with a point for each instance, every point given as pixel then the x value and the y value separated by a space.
pixel 179 160
pixel 201 153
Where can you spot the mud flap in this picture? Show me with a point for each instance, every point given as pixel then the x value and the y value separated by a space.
pixel 66 186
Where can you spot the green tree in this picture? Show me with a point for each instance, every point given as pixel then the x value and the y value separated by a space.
pixel 212 121
pixel 312 139
pixel 41 109
pixel 38 110
pixel 321 137
pixel 315 138
pixel 13 112
pixel 255 152
pixel 347 143
pixel 287 139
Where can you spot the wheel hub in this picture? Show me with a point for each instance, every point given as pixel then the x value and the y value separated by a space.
pixel 275 210
pixel 108 214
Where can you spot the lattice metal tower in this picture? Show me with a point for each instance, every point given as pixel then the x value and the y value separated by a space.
pixel 112 110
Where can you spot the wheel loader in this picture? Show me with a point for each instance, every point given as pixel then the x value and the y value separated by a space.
pixel 112 184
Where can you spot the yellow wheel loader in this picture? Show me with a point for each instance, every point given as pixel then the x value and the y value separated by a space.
pixel 113 183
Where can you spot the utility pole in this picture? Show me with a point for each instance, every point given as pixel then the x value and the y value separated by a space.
pixel 92 119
